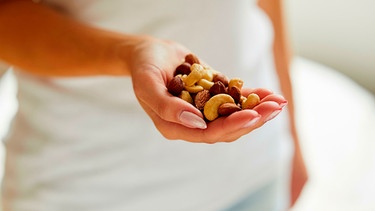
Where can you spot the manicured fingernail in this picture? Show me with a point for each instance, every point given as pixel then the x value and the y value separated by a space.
pixel 192 120
pixel 283 104
pixel 273 115
pixel 251 122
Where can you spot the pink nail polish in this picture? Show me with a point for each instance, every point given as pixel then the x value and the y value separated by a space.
pixel 251 122
pixel 273 115
pixel 192 120
pixel 282 105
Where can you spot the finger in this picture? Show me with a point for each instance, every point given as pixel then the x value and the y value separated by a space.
pixel 233 122
pixel 223 129
pixel 261 92
pixel 268 110
pixel 176 131
pixel 275 98
pixel 219 130
pixel 155 96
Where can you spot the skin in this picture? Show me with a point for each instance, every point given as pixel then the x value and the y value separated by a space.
pixel 282 54
pixel 87 51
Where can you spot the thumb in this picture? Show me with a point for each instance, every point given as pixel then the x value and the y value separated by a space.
pixel 159 103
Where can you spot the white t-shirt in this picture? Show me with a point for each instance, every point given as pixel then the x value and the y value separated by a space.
pixel 86 144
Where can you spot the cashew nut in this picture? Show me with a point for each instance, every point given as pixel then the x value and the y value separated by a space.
pixel 237 82
pixel 194 89
pixel 206 84
pixel 208 74
pixel 185 95
pixel 211 107
pixel 197 72
pixel 209 90
pixel 251 101
pixel 242 99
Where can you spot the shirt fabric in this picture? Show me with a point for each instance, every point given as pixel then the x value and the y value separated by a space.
pixel 85 143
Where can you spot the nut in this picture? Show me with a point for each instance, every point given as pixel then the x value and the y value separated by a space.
pixel 185 95
pixel 206 84
pixel 211 107
pixel 183 69
pixel 242 99
pixel 208 74
pixel 220 77
pixel 227 109
pixel 208 90
pixel 251 101
pixel 195 75
pixel 237 82
pixel 235 93
pixel 194 89
pixel 175 86
pixel 201 98
pixel 191 59
pixel 218 88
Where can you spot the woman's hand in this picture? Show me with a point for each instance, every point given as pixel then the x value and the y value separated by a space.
pixel 153 64
pixel 149 61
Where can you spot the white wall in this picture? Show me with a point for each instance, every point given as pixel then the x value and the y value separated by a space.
pixel 337 33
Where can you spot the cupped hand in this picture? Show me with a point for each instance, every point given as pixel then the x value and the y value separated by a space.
pixel 153 64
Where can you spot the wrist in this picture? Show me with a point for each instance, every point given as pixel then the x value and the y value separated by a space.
pixel 116 55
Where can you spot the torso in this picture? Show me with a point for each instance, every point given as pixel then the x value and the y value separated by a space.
pixel 83 146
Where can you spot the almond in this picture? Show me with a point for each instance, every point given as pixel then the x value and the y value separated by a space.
pixel 235 93
pixel 227 109
pixel 221 77
pixel 192 59
pixel 201 98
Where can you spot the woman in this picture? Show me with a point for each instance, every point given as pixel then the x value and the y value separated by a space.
pixel 88 73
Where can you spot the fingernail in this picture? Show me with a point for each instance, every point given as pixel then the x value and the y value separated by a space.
pixel 283 104
pixel 192 120
pixel 251 122
pixel 273 115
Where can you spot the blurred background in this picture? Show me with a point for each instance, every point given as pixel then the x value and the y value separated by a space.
pixel 337 33
pixel 334 79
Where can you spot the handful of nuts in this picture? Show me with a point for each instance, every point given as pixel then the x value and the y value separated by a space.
pixel 209 90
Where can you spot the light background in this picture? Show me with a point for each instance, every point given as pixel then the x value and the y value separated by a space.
pixel 335 115
pixel 337 33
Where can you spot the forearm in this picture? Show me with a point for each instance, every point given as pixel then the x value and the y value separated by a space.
pixel 40 40
pixel 282 55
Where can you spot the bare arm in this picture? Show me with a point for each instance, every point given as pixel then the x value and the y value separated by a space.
pixel 45 42
pixel 282 54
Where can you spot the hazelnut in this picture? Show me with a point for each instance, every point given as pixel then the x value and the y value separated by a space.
pixel 175 86
pixel 218 88
pixel 183 69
